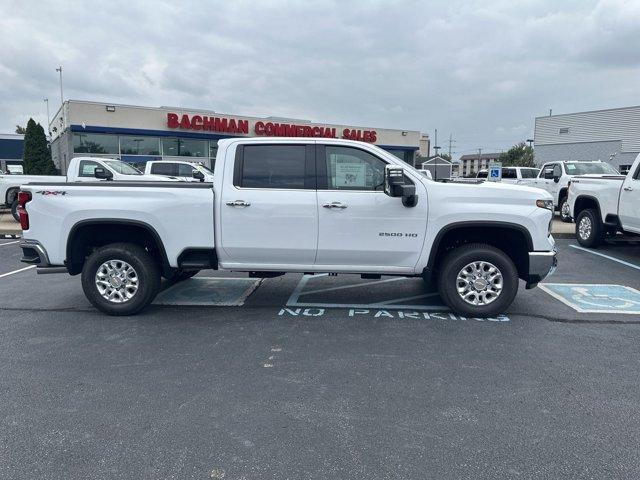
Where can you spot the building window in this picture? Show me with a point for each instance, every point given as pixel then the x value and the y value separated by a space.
pixel 184 147
pixel 563 130
pixel 139 145
pixel 95 143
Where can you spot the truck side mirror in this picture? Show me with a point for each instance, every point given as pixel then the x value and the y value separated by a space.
pixel 198 175
pixel 556 178
pixel 395 186
pixel 103 173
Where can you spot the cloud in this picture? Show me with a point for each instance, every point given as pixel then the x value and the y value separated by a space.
pixel 481 70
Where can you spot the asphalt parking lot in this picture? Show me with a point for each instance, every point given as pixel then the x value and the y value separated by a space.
pixel 323 377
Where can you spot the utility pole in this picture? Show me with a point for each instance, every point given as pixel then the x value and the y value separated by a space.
pixel 451 142
pixel 59 69
pixel 436 147
pixel 46 100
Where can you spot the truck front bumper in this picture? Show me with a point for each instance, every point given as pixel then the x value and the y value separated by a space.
pixel 541 265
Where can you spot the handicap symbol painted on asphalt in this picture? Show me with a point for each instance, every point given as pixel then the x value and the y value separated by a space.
pixel 596 298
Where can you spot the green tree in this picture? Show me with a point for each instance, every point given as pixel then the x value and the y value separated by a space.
pixel 520 155
pixel 20 130
pixel 36 156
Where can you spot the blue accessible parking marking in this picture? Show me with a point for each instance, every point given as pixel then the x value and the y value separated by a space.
pixel 208 291
pixel 596 298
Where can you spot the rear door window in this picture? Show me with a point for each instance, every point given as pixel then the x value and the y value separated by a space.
pixel 271 166
pixel 163 169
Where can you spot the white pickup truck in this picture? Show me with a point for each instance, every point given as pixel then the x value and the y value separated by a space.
pixel 183 170
pixel 605 204
pixel 81 169
pixel 554 177
pixel 292 205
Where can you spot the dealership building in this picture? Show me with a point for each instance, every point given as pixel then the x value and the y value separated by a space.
pixel 137 134
pixel 611 135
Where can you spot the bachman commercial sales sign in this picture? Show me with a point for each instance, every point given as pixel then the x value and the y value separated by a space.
pixel 266 129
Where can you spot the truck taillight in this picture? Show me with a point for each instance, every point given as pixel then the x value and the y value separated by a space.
pixel 23 198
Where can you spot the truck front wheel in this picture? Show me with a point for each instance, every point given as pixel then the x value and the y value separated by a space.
pixel 589 228
pixel 120 279
pixel 565 211
pixel 478 280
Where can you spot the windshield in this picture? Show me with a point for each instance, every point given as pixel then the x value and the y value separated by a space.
pixel 575 168
pixel 121 167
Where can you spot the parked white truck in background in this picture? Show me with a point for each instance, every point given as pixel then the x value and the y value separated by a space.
pixel 81 169
pixel 554 177
pixel 515 175
pixel 605 204
pixel 183 170
pixel 293 205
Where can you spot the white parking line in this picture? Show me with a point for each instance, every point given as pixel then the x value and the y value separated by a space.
pixel 628 264
pixel 17 271
pixel 9 243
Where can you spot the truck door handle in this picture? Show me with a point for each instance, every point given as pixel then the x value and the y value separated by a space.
pixel 628 189
pixel 238 203
pixel 334 205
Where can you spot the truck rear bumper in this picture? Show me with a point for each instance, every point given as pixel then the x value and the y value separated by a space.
pixel 34 253
pixel 541 265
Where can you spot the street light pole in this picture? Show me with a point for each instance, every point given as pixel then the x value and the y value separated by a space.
pixel 46 100
pixel 59 69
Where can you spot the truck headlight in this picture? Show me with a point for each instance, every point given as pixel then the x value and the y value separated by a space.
pixel 548 204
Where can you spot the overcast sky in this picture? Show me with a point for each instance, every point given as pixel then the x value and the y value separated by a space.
pixel 479 70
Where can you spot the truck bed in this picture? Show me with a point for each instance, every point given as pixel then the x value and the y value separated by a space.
pixel 172 210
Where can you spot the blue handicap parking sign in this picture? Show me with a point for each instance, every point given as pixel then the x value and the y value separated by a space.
pixel 598 298
pixel 495 172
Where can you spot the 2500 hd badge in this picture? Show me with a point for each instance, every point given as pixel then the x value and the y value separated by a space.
pixel 397 234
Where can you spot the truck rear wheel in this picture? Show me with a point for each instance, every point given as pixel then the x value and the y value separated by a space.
pixel 478 280
pixel 589 228
pixel 120 279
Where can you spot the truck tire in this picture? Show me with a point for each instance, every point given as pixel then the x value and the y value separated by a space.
pixel 565 213
pixel 477 280
pixel 120 278
pixel 14 210
pixel 589 228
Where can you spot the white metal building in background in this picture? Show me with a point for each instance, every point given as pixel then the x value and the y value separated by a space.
pixel 611 135
pixel 440 168
pixel 137 134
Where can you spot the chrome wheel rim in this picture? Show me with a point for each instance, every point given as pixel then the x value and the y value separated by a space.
pixel 479 283
pixel 117 281
pixel 584 228
pixel 564 212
